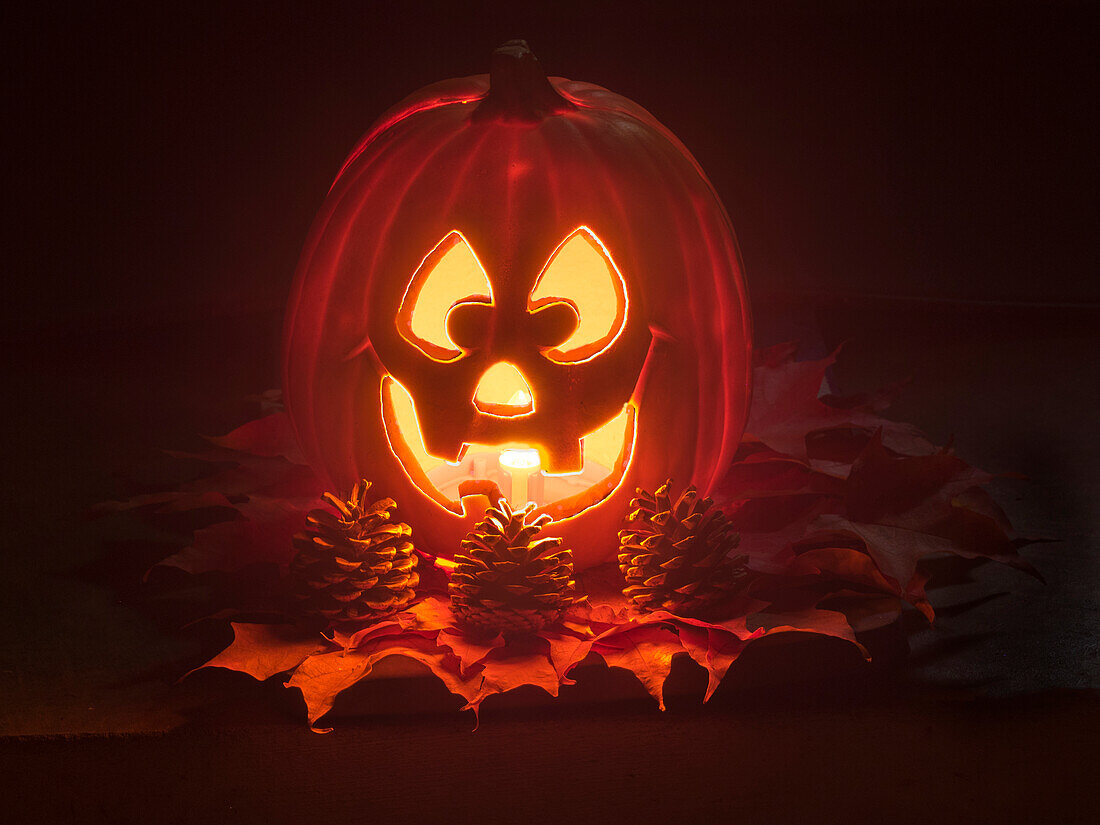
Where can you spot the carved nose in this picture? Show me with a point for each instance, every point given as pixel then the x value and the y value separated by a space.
pixel 503 391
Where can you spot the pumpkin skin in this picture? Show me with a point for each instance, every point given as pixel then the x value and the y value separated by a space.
pixel 516 163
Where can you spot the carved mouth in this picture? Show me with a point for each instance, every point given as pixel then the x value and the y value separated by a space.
pixel 515 468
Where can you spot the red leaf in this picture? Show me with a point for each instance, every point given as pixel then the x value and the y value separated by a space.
pixel 974 534
pixel 323 677
pixel 867 611
pixel 980 502
pixel 383 627
pixel 469 650
pixel 272 435
pixel 439 660
pixel 759 472
pixel 171 502
pixel 843 564
pixel 262 650
pixel 430 614
pixel 714 649
pixel 566 652
pixel 262 535
pixel 914 492
pixel 645 651
pixel 520 662
pixel 769 529
pixel 895 550
pixel 786 407
pixel 811 620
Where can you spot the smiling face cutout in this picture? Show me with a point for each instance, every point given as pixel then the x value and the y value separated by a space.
pixel 525 364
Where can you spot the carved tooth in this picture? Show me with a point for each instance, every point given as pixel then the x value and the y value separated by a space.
pixel 564 456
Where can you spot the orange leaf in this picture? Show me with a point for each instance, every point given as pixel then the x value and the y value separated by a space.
pixel 869 611
pixel 786 407
pixel 566 651
pixel 322 677
pixel 262 650
pixel 846 564
pixel 469 650
pixel 521 662
pixel 429 614
pixel 714 649
pixel 769 527
pixel 645 651
pixel 439 660
pixel 385 627
pixel 895 550
pixel 810 620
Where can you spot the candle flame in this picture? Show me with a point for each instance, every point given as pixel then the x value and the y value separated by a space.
pixel 520 398
pixel 522 459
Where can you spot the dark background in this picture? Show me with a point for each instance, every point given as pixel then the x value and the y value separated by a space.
pixel 169 159
pixel 915 178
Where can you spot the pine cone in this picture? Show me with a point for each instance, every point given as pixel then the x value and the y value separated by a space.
pixel 676 557
pixel 356 563
pixel 507 581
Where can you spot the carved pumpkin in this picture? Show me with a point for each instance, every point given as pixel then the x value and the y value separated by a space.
pixel 522 282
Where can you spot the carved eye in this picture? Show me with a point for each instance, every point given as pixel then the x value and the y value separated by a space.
pixel 580 276
pixel 449 277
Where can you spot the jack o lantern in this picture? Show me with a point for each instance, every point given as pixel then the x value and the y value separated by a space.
pixel 523 285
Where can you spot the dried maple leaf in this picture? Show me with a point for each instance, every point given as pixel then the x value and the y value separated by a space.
pixel 808 620
pixel 261 535
pixel 169 502
pixel 787 407
pixel 322 677
pixel 760 472
pixel 430 614
pixel 469 650
pixel 519 663
pixel 262 650
pixel 271 435
pixel 566 652
pixel 646 651
pixel 895 550
pixel 914 492
pixel 714 649
pixel 382 627
pixel 441 662
pixel 770 528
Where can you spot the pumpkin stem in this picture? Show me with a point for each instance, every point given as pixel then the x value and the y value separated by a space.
pixel 518 88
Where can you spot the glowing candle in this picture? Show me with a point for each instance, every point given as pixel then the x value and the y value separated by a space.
pixel 519 464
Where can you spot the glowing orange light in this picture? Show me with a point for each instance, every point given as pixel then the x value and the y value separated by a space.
pixel 525 459
pixel 520 464
pixel 582 272
pixel 606 452
pixel 448 274
pixel 578 306
pixel 503 391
